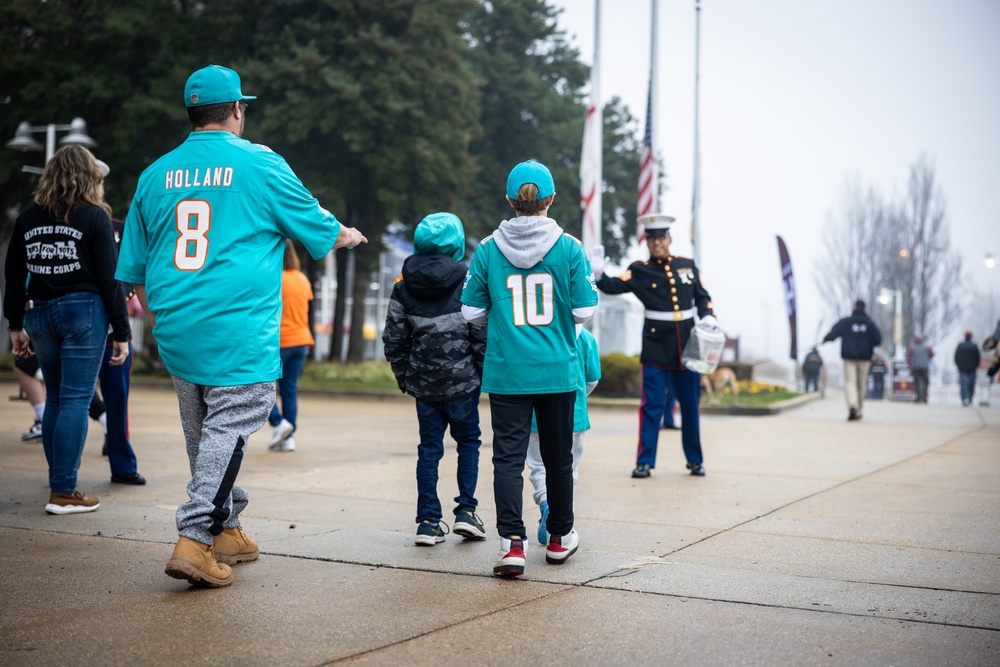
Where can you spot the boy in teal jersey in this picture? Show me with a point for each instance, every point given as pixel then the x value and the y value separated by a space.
pixel 532 283
pixel 203 245
pixel 589 359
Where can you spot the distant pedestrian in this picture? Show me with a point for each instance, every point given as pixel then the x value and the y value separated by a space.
pixel 437 357
pixel 669 408
pixel 858 337
pixel 919 356
pixel 532 283
pixel 992 342
pixel 295 340
pixel 810 369
pixel 967 357
pixel 878 371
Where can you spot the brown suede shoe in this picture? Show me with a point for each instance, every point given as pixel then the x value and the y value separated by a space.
pixel 71 503
pixel 196 563
pixel 233 546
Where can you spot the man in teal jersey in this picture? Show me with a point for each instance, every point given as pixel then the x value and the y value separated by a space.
pixel 203 245
pixel 532 283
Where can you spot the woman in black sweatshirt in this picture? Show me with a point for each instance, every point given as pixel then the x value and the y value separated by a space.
pixel 61 296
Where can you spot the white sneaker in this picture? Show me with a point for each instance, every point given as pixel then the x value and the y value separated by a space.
pixel 281 431
pixel 286 445
pixel 512 557
pixel 561 548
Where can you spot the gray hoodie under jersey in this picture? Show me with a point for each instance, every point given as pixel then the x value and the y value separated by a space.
pixel 526 240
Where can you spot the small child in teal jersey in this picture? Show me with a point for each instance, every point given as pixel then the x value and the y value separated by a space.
pixel 590 372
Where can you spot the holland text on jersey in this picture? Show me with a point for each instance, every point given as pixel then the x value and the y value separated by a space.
pixel 208 177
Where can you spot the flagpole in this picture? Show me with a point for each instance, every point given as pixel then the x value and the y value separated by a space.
pixel 696 186
pixel 596 101
pixel 592 158
pixel 654 90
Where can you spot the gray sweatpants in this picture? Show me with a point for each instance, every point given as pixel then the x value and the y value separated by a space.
pixel 217 422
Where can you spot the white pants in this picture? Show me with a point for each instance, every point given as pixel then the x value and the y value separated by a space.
pixel 537 468
pixel 855 377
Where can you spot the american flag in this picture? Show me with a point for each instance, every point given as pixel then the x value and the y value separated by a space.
pixel 648 168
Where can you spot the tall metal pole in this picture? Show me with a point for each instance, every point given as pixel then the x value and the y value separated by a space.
pixel 696 187
pixel 654 88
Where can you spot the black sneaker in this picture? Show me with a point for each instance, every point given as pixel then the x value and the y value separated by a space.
pixel 697 469
pixel 429 534
pixel 469 526
pixel 853 416
pixel 33 433
pixel 641 470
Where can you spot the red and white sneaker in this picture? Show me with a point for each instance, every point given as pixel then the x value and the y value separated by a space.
pixel 561 548
pixel 511 563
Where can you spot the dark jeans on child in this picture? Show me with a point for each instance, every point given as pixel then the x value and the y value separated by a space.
pixel 461 415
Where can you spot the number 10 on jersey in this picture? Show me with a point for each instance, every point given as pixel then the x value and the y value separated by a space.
pixel 531 298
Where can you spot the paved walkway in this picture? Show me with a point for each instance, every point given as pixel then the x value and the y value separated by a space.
pixel 812 541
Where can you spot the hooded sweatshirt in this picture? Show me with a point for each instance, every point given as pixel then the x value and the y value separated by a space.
pixel 434 353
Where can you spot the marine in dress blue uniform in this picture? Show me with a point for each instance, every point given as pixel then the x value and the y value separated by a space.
pixel 670 289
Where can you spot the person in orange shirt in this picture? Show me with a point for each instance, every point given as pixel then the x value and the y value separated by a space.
pixel 296 339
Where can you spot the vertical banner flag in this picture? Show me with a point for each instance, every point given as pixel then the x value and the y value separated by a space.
pixel 649 177
pixel 591 176
pixel 788 280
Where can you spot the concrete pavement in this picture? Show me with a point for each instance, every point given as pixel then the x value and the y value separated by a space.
pixel 812 541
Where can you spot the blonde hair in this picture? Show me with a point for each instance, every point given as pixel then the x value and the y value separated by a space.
pixel 71 180
pixel 291 257
pixel 527 202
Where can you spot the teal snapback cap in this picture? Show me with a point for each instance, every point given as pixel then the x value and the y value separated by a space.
pixel 531 172
pixel 213 85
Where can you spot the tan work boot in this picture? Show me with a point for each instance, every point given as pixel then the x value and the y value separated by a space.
pixel 233 546
pixel 196 562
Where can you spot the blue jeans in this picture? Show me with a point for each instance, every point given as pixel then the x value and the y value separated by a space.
pixel 68 334
pixel 292 361
pixel 967 386
pixel 115 382
pixel 812 380
pixel 461 414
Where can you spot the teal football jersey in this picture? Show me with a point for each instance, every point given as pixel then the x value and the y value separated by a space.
pixel 206 236
pixel 531 333
pixel 589 358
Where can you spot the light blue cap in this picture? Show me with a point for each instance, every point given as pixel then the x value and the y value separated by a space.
pixel 531 172
pixel 213 85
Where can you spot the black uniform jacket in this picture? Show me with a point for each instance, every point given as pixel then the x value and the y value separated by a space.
pixel 670 285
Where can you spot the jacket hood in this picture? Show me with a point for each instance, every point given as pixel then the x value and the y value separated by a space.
pixel 526 240
pixel 440 234
pixel 432 276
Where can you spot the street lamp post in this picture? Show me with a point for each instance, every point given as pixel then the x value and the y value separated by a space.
pixel 898 356
pixel 24 142
pixel 897 321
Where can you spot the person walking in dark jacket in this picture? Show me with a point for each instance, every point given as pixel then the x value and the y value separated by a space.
pixel 919 356
pixel 437 357
pixel 858 337
pixel 967 356
pixel 810 369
